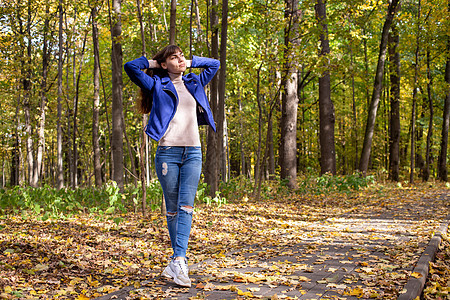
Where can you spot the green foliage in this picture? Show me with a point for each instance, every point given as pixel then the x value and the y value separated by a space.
pixel 241 187
pixel 236 188
pixel 203 197
pixel 328 183
pixel 49 202
pixel 154 195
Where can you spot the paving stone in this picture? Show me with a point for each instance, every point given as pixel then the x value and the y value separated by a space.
pixel 338 263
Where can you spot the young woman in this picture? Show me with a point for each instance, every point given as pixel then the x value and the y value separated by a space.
pixel 177 105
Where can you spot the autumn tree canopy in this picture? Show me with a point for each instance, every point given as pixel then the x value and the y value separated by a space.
pixel 48 56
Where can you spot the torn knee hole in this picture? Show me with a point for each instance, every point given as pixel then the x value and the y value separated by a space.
pixel 188 209
pixel 171 214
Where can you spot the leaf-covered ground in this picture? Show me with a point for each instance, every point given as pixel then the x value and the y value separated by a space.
pixel 85 256
pixel 438 284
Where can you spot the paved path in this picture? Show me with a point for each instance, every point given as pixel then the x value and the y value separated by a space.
pixel 369 253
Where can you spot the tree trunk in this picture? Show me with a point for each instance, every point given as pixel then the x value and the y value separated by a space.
pixel 71 152
pixel 442 161
pixel 355 117
pixel 15 161
pixel 366 69
pixel 386 125
pixel 59 153
pixel 143 153
pixel 67 151
pixel 271 150
pixel 144 166
pixel 212 152
pixel 43 96
pixel 221 143
pixel 377 88
pixel 394 132
pixel 130 153
pixel 289 101
pixel 141 26
pixel 326 107
pixel 260 125
pixel 426 169
pixel 117 105
pixel 173 21
pixel 75 115
pixel 96 102
pixel 414 99
pixel 191 19
pixel 108 125
pixel 26 81
pixel 200 35
pixel 241 137
pixel 15 155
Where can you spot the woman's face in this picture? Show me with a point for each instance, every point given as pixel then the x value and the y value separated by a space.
pixel 175 63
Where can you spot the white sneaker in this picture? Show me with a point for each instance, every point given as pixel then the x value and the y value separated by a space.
pixel 167 272
pixel 178 270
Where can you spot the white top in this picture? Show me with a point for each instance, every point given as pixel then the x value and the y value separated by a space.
pixel 183 129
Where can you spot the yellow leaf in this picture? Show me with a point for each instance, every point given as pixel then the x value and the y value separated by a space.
pixel 41 267
pixel 82 297
pixel 247 294
pixel 374 295
pixel 303 278
pixel 416 275
pixel 200 286
pixel 209 287
pixel 224 287
pixel 75 281
pixel 355 292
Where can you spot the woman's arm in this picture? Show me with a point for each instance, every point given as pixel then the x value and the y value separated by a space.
pixel 134 70
pixel 210 66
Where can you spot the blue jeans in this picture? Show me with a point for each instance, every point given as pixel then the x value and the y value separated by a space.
pixel 178 170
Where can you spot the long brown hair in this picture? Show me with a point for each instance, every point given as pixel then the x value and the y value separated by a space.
pixel 145 101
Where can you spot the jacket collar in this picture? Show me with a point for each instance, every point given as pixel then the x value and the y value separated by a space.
pixel 165 80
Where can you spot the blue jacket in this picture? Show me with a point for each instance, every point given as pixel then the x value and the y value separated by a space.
pixel 165 98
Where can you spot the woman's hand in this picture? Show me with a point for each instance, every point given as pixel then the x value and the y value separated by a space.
pixel 153 64
pixel 188 63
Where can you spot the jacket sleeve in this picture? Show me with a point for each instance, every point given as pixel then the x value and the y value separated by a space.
pixel 210 66
pixel 134 70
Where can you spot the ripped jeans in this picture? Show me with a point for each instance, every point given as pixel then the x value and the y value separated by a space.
pixel 178 170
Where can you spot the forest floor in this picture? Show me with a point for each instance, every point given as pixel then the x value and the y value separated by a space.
pixel 362 244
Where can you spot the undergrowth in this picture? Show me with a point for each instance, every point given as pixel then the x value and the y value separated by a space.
pixel 48 202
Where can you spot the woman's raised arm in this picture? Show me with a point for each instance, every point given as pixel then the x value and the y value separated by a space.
pixel 134 70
